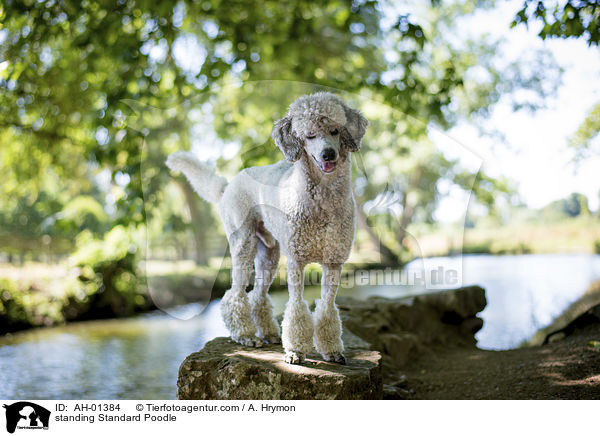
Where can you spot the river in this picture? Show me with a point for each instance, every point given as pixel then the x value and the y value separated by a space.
pixel 138 358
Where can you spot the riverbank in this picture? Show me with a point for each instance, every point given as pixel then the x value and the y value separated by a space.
pixel 434 356
pixel 567 369
pixel 576 235
pixel 39 295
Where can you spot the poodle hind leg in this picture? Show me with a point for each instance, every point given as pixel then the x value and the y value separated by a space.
pixel 235 305
pixel 328 325
pixel 235 310
pixel 261 306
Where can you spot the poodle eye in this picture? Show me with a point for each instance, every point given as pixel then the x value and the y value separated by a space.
pixel 334 132
pixel 311 136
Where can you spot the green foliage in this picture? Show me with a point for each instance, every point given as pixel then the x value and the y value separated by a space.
pixel 490 246
pixel 597 246
pixel 81 213
pixel 71 65
pixel 116 245
pixel 570 19
pixel 25 308
pixel 582 139
pixel 574 205
pixel 594 345
pixel 573 18
pixel 108 276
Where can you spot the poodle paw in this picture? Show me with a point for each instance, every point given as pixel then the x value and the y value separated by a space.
pixel 293 357
pixel 250 341
pixel 335 357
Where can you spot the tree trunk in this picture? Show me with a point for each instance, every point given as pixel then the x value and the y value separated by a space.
pixel 198 222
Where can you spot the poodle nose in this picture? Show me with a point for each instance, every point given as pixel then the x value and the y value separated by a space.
pixel 328 154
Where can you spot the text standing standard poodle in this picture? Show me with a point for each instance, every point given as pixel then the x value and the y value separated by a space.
pixel 302 205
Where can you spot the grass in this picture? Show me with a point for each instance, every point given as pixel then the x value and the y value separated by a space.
pixel 579 235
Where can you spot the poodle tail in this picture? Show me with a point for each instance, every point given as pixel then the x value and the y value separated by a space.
pixel 203 178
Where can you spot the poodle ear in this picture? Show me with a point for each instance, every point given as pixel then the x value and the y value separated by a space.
pixel 356 127
pixel 284 138
pixel 347 140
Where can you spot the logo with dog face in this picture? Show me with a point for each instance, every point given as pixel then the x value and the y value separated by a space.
pixel 26 415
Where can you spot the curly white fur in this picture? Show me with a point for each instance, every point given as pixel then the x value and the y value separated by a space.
pixel 202 177
pixel 261 308
pixel 235 310
pixel 303 205
pixel 328 331
pixel 297 329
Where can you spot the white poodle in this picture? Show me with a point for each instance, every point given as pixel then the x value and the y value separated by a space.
pixel 302 205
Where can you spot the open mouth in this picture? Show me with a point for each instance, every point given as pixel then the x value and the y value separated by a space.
pixel 327 166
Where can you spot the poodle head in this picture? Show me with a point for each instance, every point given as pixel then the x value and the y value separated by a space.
pixel 323 126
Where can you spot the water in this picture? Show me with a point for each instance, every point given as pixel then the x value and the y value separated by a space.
pixel 526 293
pixel 131 359
pixel 138 358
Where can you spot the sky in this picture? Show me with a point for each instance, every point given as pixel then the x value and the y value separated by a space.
pixel 538 158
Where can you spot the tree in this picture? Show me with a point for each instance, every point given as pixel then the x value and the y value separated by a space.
pixel 570 19
pixel 583 139
pixel 72 70
pixel 576 204
pixel 70 67
pixel 573 206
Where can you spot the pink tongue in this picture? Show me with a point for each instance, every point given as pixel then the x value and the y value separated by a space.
pixel 328 166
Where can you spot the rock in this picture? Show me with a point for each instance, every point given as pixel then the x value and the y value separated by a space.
pixel 224 369
pixel 396 388
pixel 399 346
pixel 459 304
pixel 583 312
pixel 404 326
pixel 406 329
pixel 559 336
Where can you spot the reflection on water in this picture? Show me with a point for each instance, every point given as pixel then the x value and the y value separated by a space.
pixel 130 359
pixel 526 293
pixel 139 358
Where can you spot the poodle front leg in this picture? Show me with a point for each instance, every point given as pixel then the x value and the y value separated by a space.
pixel 327 322
pixel 297 325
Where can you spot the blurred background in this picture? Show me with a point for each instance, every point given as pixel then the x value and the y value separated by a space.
pixel 482 157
